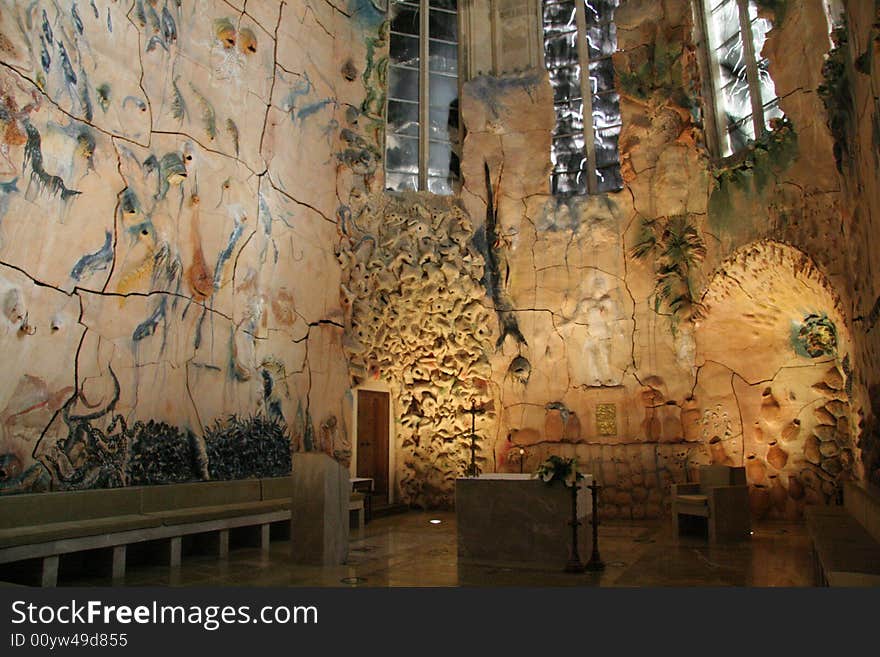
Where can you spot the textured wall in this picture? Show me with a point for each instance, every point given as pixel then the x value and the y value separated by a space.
pixel 411 285
pixel 861 130
pixel 703 314
pixel 192 226
pixel 167 229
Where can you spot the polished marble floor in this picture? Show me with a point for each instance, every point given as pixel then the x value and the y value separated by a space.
pixel 408 550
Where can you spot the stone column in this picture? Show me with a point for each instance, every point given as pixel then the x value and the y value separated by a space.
pixel 319 519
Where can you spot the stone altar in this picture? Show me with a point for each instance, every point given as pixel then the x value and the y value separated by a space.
pixel 517 518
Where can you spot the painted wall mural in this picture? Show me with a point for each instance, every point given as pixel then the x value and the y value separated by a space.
pixel 160 240
pixel 195 249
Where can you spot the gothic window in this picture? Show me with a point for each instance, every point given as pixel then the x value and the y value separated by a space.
pixel 421 139
pixel 579 35
pixel 744 93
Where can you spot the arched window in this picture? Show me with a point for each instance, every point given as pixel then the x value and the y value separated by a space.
pixel 744 95
pixel 579 35
pixel 422 146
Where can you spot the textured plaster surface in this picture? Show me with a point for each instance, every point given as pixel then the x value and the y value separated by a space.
pixel 192 224
pixel 735 355
pixel 167 220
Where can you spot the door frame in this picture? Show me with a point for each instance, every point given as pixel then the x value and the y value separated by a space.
pixel 376 386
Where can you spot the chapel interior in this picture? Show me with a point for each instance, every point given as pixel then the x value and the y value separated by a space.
pixel 440 292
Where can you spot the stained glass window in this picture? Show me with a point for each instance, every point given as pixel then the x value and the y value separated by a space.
pixel 421 140
pixel 745 96
pixel 580 35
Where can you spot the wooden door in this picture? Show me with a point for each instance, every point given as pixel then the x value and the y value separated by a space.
pixel 372 439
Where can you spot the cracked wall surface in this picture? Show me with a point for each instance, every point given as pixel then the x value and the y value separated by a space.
pixel 701 315
pixel 187 194
pixel 862 214
pixel 707 313
pixel 167 228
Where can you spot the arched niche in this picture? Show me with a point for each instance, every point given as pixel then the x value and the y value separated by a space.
pixel 773 354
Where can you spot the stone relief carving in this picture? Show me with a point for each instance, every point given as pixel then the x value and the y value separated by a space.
pixel 411 287
pixel 594 329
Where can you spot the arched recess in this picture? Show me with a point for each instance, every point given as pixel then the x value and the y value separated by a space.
pixel 773 350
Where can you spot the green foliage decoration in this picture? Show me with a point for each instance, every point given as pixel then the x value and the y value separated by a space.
pixel 678 250
pixel 815 336
pixel 375 80
pixel 837 96
pixel 777 7
pixel 255 446
pixel 752 170
pixel 661 71
pixel 161 454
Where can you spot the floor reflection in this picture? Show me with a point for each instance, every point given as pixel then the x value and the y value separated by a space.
pixel 407 550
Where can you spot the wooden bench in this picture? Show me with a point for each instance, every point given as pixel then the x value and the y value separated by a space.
pixel 47 525
pixel 846 539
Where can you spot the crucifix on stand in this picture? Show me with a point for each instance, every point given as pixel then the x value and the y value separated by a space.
pixel 473 470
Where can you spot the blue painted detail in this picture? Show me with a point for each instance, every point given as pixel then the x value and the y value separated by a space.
pixel 368 13
pixel 94 262
pixel 226 253
pixel 148 327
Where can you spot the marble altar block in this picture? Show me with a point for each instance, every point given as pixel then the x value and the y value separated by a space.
pixel 516 518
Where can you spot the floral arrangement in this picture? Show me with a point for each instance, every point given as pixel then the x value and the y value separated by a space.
pixel 557 468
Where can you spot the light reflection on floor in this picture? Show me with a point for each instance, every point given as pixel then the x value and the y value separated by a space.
pixel 407 550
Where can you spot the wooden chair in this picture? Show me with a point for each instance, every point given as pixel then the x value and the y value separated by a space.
pixel 356 505
pixel 721 496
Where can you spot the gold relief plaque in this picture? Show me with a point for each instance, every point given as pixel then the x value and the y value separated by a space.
pixel 606 419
